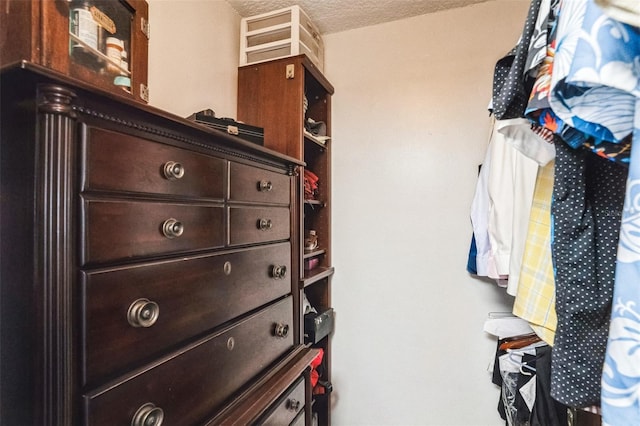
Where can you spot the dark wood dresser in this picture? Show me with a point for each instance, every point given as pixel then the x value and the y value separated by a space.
pixel 148 270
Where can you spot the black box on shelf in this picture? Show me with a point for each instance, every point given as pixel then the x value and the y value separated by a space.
pixel 317 326
pixel 228 125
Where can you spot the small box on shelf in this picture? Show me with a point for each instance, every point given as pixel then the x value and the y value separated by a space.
pixel 318 325
pixel 311 263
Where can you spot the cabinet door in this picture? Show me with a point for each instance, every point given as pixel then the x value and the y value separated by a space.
pixel 71 37
pixel 118 59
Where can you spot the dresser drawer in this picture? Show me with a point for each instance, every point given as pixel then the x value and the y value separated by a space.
pixel 248 225
pixel 287 407
pixel 115 230
pixel 191 386
pixel 252 184
pixel 132 314
pixel 119 162
pixel 299 420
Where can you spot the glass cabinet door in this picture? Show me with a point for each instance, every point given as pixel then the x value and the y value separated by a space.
pixel 100 39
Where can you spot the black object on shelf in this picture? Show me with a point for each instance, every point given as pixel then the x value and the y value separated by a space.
pixel 244 131
pixel 318 326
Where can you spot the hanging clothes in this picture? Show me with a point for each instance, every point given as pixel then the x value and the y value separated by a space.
pixel 621 372
pixel 588 194
pixel 605 66
pixel 583 85
pixel 546 411
pixel 592 79
pixel 511 183
pixel 512 75
pixel 523 375
pixel 535 299
pixel 500 208
pixel 627 11
pixel 481 246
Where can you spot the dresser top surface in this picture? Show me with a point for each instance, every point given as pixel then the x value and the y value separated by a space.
pixel 28 72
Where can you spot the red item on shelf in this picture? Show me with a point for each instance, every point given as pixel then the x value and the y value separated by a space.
pixel 310 185
pixel 314 365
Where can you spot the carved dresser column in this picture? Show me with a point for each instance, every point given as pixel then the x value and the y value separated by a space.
pixel 54 246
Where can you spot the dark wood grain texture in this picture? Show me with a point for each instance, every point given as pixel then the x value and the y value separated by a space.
pixel 268 98
pixel 84 201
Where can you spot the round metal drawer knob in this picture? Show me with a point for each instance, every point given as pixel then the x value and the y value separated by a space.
pixel 265 224
pixel 173 170
pixel 265 186
pixel 293 404
pixel 148 415
pixel 278 271
pixel 281 330
pixel 143 313
pixel 171 228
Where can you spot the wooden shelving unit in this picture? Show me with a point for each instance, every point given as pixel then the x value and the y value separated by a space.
pixel 272 95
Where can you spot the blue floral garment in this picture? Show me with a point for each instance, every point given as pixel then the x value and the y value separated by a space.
pixel 539 110
pixel 595 79
pixel 620 393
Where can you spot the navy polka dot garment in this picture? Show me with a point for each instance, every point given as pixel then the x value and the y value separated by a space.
pixel 512 83
pixel 588 197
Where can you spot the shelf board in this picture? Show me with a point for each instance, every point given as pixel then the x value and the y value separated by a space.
pixel 313 253
pixel 314 202
pixel 318 140
pixel 316 275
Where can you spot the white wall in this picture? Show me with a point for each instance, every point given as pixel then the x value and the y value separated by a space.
pixel 193 56
pixel 410 127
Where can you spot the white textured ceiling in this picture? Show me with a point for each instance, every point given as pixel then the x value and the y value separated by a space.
pixel 331 16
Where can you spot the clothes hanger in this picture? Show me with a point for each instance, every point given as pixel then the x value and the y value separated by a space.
pixel 519 342
pixel 494 315
pixel 528 367
pixel 515 357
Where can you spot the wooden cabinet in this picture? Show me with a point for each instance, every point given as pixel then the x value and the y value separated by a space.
pixel 281 96
pixel 101 42
pixel 147 271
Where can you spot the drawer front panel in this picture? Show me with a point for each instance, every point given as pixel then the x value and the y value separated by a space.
pixel 258 185
pixel 287 407
pixel 115 230
pixel 190 387
pixel 250 225
pixel 149 167
pixel 189 296
pixel 299 420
